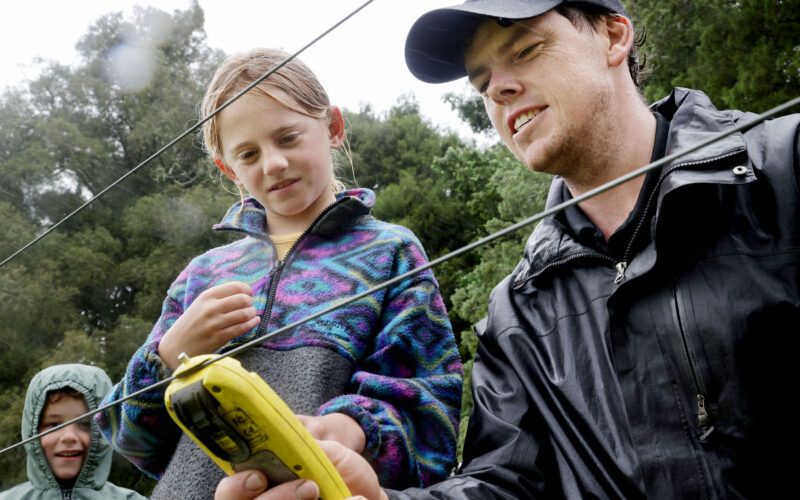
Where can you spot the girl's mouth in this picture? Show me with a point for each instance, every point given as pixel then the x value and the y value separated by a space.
pixel 282 184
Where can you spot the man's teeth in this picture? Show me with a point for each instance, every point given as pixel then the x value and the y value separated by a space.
pixel 523 119
pixel 73 454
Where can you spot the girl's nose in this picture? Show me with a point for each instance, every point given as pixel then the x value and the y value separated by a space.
pixel 274 163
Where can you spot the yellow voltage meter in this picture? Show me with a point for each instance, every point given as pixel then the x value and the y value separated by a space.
pixel 239 421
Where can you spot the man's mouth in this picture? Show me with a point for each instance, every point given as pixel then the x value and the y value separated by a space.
pixel 523 119
pixel 282 184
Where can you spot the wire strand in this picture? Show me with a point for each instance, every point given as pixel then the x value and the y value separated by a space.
pixel 184 134
pixel 487 239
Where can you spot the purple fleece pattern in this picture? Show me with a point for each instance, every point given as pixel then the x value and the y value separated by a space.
pixel 405 389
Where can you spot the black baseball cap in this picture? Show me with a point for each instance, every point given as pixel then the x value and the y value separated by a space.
pixel 436 42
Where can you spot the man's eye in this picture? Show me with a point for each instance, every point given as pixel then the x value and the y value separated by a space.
pixel 483 87
pixel 522 54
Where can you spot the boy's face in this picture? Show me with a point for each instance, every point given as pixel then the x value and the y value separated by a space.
pixel 65 449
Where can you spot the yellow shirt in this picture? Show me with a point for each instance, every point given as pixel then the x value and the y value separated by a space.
pixel 283 242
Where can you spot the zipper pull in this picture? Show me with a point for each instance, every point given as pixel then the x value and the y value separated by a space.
pixel 703 418
pixel 621 267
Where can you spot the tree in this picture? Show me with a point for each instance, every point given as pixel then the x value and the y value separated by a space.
pixel 521 194
pixel 86 293
pixel 383 146
pixel 743 54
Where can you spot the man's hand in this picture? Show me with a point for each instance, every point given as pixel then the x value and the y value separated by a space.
pixel 354 469
pixel 217 315
pixel 336 427
pixel 251 485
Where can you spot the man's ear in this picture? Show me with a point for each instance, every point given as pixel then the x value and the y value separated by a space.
pixel 336 127
pixel 620 36
pixel 229 173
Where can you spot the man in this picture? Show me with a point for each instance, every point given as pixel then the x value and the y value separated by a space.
pixel 645 345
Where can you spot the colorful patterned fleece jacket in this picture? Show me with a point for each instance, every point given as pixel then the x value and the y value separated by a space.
pixel 388 360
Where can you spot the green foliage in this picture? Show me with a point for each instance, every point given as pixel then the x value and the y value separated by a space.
pixel 470 108
pixel 743 54
pixel 12 463
pixel 90 291
pixel 383 146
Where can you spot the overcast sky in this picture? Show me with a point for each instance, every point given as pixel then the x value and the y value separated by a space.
pixel 360 62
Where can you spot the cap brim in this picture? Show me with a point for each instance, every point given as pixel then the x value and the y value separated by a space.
pixel 436 42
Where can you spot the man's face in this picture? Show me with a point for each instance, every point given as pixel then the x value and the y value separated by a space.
pixel 545 85
pixel 65 449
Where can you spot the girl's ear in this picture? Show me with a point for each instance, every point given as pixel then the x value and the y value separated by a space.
pixel 620 36
pixel 229 173
pixel 336 127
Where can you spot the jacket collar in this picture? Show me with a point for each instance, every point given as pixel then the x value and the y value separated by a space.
pixel 693 118
pixel 251 218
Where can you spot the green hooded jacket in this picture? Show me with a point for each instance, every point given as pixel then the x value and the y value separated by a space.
pixel 91 483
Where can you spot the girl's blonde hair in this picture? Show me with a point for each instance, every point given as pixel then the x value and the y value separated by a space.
pixel 294 78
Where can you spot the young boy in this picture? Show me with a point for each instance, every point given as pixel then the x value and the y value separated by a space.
pixel 73 462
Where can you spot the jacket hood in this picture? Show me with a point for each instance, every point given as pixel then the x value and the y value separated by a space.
pixel 250 216
pixel 94 384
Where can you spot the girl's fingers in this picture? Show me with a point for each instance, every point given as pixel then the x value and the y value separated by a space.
pixel 225 334
pixel 235 317
pixel 229 288
pixel 233 302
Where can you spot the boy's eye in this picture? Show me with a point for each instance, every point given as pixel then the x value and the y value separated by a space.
pixel 48 425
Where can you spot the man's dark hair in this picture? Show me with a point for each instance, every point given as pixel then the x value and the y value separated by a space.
pixel 587 14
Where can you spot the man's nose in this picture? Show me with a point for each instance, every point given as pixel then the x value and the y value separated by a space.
pixel 503 85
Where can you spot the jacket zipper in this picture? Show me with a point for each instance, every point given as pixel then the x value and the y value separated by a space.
pixel 622 266
pixel 281 264
pixel 563 261
pixel 703 417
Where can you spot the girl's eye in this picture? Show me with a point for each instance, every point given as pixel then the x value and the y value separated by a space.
pixel 246 155
pixel 483 87
pixel 289 138
pixel 48 425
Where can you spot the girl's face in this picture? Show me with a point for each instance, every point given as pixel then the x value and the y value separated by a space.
pixel 281 156
pixel 65 449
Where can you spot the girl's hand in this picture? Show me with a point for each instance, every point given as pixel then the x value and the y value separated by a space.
pixel 219 314
pixel 336 427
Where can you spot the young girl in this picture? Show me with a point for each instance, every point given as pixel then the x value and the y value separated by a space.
pixel 381 375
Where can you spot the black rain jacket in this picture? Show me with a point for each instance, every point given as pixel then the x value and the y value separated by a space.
pixel 673 380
